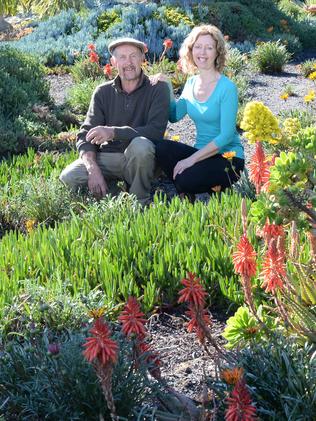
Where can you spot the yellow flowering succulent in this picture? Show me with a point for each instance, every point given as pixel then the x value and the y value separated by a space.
pixel 260 124
pixel 312 76
pixel 291 126
pixel 284 96
pixel 310 96
pixel 30 225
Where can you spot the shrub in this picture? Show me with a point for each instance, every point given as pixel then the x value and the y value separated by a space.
pixel 242 84
pixel 270 57
pixel 22 85
pixel 175 16
pixel 22 82
pixel 11 136
pixel 79 95
pixel 37 309
pixel 236 62
pixel 281 377
pixel 291 8
pixel 108 18
pixel 290 41
pixel 308 67
pixel 36 200
pixel 33 164
pixel 235 20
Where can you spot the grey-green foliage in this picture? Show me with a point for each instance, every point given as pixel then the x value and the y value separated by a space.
pixel 245 187
pixel 37 308
pixel 22 82
pixel 281 377
pixel 35 385
pixel 22 85
pixel 305 117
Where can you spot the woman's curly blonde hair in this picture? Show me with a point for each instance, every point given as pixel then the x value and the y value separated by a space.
pixel 186 58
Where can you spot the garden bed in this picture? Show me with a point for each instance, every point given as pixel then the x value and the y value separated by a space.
pixel 189 303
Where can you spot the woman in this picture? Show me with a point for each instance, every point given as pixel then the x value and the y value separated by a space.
pixel 210 99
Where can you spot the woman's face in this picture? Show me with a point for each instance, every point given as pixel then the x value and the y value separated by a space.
pixel 204 52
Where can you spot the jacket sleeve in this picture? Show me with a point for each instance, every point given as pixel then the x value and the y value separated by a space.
pixel 156 121
pixel 95 117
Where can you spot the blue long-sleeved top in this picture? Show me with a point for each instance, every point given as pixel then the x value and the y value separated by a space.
pixel 215 118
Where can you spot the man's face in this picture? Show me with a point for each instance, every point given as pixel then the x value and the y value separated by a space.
pixel 128 60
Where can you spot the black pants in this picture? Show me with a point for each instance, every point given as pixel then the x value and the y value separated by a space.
pixel 201 177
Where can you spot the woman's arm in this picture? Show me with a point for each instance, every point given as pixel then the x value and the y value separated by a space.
pixel 228 115
pixel 209 150
pixel 178 108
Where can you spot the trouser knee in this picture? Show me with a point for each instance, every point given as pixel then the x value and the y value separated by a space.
pixel 71 179
pixel 140 149
pixel 182 185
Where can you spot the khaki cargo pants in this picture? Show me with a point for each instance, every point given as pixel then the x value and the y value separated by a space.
pixel 136 166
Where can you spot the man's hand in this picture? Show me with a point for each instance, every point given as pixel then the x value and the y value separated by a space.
pixel 159 77
pixel 100 134
pixel 96 183
pixel 183 165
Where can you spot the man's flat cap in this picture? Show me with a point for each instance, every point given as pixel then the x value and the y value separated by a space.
pixel 120 41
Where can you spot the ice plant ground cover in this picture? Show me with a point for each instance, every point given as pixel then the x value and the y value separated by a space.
pixel 82 282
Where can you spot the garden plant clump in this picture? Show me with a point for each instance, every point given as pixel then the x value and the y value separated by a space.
pixel 87 286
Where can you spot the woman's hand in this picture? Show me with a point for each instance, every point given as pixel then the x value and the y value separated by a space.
pixel 159 77
pixel 183 165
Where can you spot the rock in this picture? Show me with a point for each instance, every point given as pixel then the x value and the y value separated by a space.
pixel 4 25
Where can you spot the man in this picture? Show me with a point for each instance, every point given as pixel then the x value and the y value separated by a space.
pixel 124 114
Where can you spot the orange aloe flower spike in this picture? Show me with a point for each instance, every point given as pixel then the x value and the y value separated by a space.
pixel 244 258
pixel 100 345
pixel 193 292
pixel 132 319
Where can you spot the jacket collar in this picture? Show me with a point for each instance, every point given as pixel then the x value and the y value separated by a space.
pixel 117 83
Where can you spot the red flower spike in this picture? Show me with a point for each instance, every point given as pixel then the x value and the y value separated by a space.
pixel 91 47
pixel 270 231
pixel 244 258
pixel 273 269
pixel 132 319
pixel 193 293
pixel 107 70
pixel 240 406
pixel 259 172
pixel 93 57
pixel 168 43
pixel 200 320
pixel 100 345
